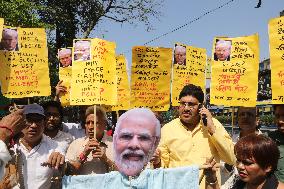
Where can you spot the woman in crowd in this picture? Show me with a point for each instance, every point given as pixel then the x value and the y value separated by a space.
pixel 257 157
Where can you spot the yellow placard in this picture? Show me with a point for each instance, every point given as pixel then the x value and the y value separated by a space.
pixel 150 81
pixel 235 71
pixel 94 78
pixel 1 27
pixel 208 68
pixel 65 74
pixel 123 87
pixel 192 72
pixel 276 41
pixel 24 66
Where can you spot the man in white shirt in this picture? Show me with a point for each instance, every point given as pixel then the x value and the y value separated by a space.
pixel 53 123
pixel 39 156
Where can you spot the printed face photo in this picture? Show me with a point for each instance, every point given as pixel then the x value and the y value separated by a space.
pixel 180 55
pixel 82 50
pixel 65 57
pixel 222 50
pixel 9 41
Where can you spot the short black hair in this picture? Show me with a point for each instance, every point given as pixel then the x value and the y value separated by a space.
pixel 55 104
pixel 192 90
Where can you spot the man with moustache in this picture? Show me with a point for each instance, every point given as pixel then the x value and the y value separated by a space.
pixel 180 55
pixel 92 155
pixel 278 137
pixel 53 124
pixel 37 155
pixel 187 140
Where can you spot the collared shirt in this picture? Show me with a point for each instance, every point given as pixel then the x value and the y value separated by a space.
pixel 75 129
pixel 35 175
pixel 92 165
pixel 182 147
pixel 278 137
pixel 64 140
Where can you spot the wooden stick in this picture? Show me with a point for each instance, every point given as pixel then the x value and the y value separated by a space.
pixel 95 122
pixel 203 174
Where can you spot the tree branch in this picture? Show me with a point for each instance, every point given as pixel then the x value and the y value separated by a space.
pixel 115 19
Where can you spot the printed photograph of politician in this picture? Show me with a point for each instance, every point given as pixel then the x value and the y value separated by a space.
pixel 222 50
pixel 9 41
pixel 82 50
pixel 65 57
pixel 180 55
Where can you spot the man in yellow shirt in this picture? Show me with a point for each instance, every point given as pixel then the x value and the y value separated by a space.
pixel 187 140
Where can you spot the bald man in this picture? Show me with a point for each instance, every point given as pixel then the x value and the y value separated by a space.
pixel 222 50
pixel 82 50
pixel 65 57
pixel 9 40
pixel 180 55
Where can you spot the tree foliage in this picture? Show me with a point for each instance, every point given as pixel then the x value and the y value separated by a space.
pixel 73 18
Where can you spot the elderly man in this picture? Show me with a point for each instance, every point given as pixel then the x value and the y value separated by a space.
pixel 9 40
pixel 82 50
pixel 187 140
pixel 136 137
pixel 278 137
pixel 180 55
pixel 37 155
pixel 222 50
pixel 65 57
pixel 91 155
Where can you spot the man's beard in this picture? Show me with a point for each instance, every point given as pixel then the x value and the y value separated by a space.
pixel 131 167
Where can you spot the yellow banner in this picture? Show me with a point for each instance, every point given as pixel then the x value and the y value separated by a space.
pixel 1 27
pixel 150 81
pixel 24 63
pixel 276 44
pixel 235 71
pixel 190 72
pixel 94 78
pixel 65 74
pixel 123 88
pixel 208 68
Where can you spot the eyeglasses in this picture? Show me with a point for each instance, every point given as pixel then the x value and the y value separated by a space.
pixel 30 121
pixel 189 104
pixel 142 138
pixel 49 114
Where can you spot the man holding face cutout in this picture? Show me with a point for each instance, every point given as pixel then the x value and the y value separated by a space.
pixel 135 140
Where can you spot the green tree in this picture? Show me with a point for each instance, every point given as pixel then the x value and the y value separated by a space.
pixel 73 18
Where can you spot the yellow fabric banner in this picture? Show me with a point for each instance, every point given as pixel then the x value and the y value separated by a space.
pixel 123 87
pixel 65 74
pixel 208 68
pixel 190 72
pixel 94 78
pixel 24 63
pixel 235 71
pixel 150 81
pixel 276 41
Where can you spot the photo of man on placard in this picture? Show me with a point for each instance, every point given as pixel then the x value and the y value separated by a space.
pixel 222 50
pixel 180 55
pixel 65 57
pixel 82 50
pixel 9 41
